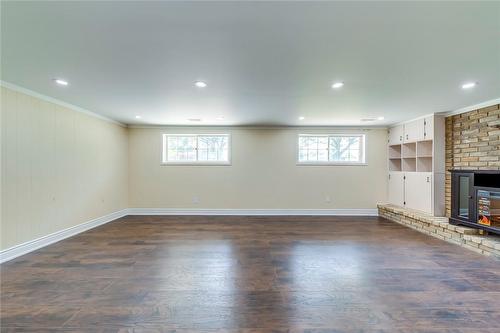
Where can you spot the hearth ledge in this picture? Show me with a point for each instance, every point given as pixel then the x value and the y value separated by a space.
pixel 440 227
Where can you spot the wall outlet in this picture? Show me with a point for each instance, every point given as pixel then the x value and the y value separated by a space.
pixel 196 200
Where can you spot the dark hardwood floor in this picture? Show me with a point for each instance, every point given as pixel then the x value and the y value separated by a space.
pixel 251 274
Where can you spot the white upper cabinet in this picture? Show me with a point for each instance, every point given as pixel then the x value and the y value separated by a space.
pixel 428 128
pixel 414 131
pixel 396 135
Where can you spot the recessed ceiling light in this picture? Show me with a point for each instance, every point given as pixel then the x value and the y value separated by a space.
pixel 138 117
pixel 337 85
pixel 220 118
pixel 367 119
pixel 61 82
pixel 302 118
pixel 200 84
pixel 469 85
pixel 380 118
pixel 194 119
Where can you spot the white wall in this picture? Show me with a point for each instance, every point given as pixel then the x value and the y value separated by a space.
pixel 263 174
pixel 60 168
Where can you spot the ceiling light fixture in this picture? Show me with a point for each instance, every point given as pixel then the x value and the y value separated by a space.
pixel 200 84
pixel 220 118
pixel 380 118
pixel 302 118
pixel 61 82
pixel 337 85
pixel 194 119
pixel 469 85
pixel 138 117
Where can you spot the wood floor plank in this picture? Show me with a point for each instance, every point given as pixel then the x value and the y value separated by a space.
pixel 251 274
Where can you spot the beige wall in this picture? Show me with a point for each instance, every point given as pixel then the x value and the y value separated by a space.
pixel 60 168
pixel 263 174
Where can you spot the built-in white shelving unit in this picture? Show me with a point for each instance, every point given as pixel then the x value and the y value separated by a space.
pixel 416 164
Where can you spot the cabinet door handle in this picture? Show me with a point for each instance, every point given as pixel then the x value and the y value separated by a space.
pixel 406 136
pixel 428 179
pixel 400 138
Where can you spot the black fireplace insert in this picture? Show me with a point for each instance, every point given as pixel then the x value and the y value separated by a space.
pixel 475 199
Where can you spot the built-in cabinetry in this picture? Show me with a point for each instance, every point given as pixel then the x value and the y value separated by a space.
pixel 416 164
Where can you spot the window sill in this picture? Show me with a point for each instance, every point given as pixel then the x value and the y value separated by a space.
pixel 330 164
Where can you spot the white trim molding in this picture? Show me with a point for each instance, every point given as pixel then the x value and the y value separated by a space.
pixel 24 248
pixel 332 128
pixel 197 162
pixel 412 119
pixel 255 212
pixel 362 150
pixel 30 246
pixel 49 99
pixel 473 107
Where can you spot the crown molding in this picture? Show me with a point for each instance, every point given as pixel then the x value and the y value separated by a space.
pixel 413 119
pixel 49 99
pixel 472 107
pixel 230 127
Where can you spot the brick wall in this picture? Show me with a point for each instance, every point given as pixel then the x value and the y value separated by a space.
pixel 472 142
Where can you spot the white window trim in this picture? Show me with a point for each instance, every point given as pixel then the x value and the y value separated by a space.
pixel 331 163
pixel 163 155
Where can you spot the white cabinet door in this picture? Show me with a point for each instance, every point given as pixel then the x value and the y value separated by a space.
pixel 396 188
pixel 396 135
pixel 414 131
pixel 418 191
pixel 429 128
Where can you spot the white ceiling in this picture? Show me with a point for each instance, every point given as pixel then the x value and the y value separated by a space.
pixel 265 63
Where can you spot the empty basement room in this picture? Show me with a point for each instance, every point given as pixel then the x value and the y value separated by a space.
pixel 248 167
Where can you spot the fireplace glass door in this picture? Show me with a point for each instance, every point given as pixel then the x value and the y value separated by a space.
pixel 463 188
pixel 488 207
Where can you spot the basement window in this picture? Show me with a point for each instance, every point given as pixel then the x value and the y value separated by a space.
pixel 197 149
pixel 331 149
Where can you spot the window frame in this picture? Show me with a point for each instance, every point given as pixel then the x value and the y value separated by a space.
pixel 164 150
pixel 363 161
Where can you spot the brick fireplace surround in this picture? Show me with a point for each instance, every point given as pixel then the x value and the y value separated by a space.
pixel 472 143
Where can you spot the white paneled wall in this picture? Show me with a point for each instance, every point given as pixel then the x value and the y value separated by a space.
pixel 60 168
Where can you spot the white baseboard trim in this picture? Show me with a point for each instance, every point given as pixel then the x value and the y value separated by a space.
pixel 19 250
pixel 275 212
